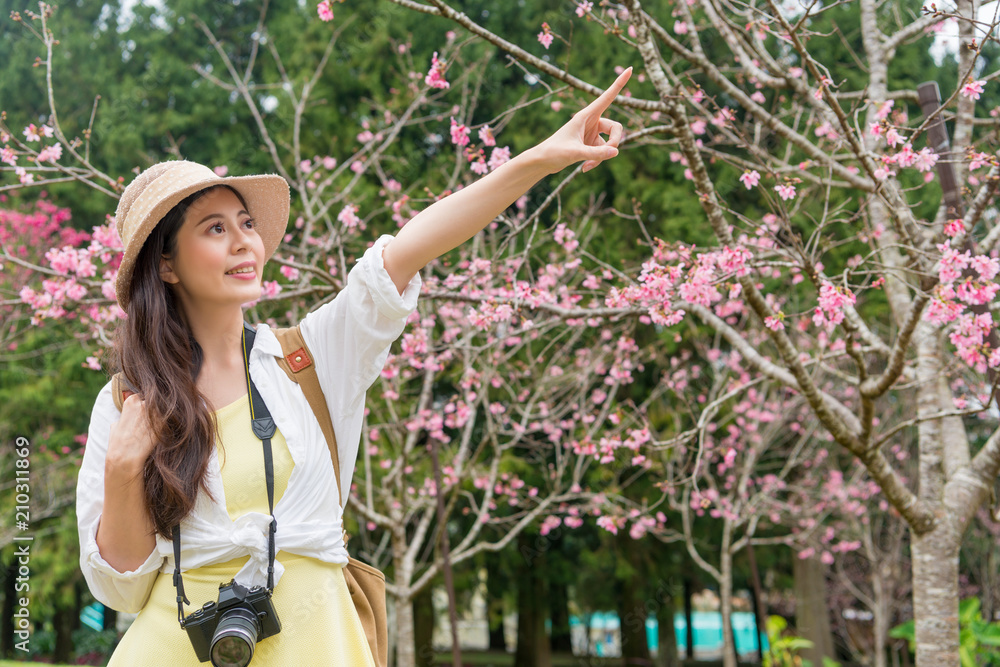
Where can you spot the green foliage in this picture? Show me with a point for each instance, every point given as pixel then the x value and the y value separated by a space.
pixel 783 647
pixel 979 638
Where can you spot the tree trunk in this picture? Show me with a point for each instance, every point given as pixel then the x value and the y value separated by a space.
pixel 562 640
pixel 494 603
pixel 62 621
pixel 812 619
pixel 533 648
pixel 688 618
pixel 726 604
pixel 423 627
pixel 666 636
pixel 7 615
pixel 110 619
pixel 632 616
pixel 935 597
pixel 880 613
pixel 405 647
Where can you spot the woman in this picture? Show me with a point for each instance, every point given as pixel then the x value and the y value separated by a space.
pixel 182 452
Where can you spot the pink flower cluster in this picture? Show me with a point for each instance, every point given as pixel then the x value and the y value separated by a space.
pixel 325 10
pixel 832 302
pixel 660 285
pixel 973 89
pixel 78 269
pixel 954 293
pixel 435 76
pixel 459 133
pixel 545 37
pixel 348 217
pixel 477 156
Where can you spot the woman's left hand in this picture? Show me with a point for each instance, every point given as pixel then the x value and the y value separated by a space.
pixel 580 138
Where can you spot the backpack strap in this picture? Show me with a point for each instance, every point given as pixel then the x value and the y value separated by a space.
pixel 298 365
pixel 120 390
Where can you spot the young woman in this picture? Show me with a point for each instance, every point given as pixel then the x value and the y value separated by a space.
pixel 181 452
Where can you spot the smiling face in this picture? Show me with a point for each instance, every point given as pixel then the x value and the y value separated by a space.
pixel 219 256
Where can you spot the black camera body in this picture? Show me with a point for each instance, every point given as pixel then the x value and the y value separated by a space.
pixel 241 618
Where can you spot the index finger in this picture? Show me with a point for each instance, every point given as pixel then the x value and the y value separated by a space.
pixel 609 95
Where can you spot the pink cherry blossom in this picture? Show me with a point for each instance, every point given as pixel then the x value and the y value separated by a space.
pixel 348 216
pixel 942 311
pixel 270 288
pixel 977 160
pixel 954 228
pixel 893 137
pixel 23 175
pixel 499 156
pixel 905 157
pixel 973 89
pixel 750 178
pixel 925 160
pixel 832 302
pixel 545 37
pixel 610 524
pixel 786 191
pixel 325 11
pixel 50 153
pixel 952 263
pixel 774 323
pixel 584 8
pixel 459 134
pixel 986 267
pixel 486 136
pixel 884 108
pixel 435 76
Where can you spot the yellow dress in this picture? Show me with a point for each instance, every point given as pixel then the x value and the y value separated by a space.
pixel 319 624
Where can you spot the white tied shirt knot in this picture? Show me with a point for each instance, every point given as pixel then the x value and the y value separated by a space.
pixel 249 534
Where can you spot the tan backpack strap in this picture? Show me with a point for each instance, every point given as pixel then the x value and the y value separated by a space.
pixel 119 390
pixel 298 365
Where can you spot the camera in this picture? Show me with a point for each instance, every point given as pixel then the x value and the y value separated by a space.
pixel 226 631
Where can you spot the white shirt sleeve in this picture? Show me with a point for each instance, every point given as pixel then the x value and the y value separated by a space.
pixel 124 591
pixel 350 338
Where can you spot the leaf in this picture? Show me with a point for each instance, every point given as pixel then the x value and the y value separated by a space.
pixel 797 644
pixel 968 610
pixel 989 635
pixel 775 626
pixel 967 657
pixel 904 631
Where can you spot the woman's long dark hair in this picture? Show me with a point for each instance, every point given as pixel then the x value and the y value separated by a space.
pixel 161 359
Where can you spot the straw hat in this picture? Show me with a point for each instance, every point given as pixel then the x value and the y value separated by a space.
pixel 152 194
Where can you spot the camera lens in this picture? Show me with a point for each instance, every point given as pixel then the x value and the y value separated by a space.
pixel 235 637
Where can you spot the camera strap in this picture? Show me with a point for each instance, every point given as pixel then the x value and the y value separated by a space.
pixel 264 428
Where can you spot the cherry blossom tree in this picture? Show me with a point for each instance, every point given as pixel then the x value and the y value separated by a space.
pixel 836 161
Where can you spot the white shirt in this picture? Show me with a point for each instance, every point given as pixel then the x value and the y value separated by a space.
pixel 349 338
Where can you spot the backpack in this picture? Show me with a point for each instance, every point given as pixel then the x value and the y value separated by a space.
pixel 366 583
